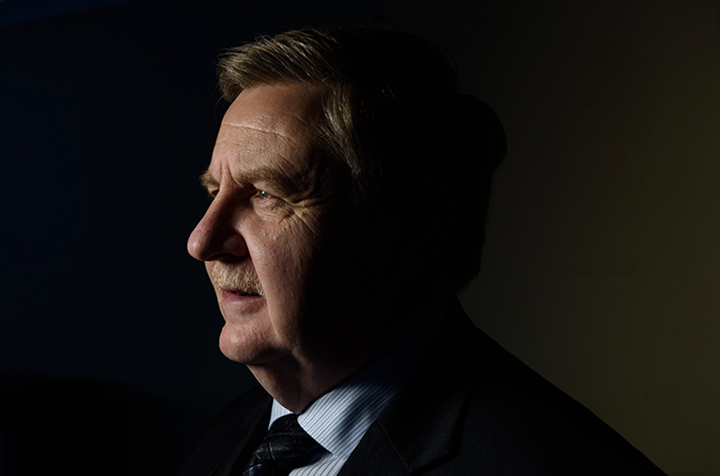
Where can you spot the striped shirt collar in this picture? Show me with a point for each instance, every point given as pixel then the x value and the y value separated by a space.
pixel 339 419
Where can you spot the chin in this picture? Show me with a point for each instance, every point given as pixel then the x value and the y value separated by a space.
pixel 245 347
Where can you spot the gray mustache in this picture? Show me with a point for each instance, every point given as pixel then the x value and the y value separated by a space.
pixel 242 278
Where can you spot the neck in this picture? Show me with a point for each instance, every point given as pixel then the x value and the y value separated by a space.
pixel 298 379
pixel 296 384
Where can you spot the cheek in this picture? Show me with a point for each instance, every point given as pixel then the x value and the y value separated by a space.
pixel 284 256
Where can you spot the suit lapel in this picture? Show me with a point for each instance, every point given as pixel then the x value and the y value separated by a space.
pixel 375 455
pixel 240 431
pixel 246 442
pixel 422 424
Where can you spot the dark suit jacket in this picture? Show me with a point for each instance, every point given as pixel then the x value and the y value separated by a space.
pixel 470 407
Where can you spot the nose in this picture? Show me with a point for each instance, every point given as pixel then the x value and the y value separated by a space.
pixel 217 236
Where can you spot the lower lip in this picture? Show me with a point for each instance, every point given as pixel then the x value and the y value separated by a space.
pixel 243 303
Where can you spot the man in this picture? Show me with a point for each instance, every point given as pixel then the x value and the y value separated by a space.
pixel 350 182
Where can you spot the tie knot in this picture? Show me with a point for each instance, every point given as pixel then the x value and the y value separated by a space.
pixel 285 447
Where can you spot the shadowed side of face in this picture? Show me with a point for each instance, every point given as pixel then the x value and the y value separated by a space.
pixel 262 236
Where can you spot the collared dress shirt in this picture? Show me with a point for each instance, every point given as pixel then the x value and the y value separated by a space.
pixel 339 419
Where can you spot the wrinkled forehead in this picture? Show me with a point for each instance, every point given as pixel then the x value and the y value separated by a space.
pixel 291 112
pixel 269 136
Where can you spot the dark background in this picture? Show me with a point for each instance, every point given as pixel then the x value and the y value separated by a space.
pixel 109 114
pixel 601 266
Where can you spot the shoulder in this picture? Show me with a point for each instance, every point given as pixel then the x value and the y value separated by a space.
pixel 500 417
pixel 522 422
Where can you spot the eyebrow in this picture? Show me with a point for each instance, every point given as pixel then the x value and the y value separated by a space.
pixel 208 181
pixel 277 180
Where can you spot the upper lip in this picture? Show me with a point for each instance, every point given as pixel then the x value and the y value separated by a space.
pixel 232 290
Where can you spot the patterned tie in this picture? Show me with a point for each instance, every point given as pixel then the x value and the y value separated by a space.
pixel 285 447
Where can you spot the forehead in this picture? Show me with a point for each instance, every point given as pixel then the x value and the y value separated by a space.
pixel 267 139
pixel 285 113
pixel 271 126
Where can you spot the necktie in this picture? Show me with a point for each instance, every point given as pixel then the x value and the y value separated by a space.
pixel 285 447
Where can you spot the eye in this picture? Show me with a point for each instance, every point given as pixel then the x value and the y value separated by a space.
pixel 266 201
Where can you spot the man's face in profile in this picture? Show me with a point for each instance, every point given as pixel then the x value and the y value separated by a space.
pixel 263 236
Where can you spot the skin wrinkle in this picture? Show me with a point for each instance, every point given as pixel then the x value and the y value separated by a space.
pixel 295 131
pixel 328 280
pixel 280 185
pixel 297 207
pixel 281 240
pixel 292 185
pixel 266 119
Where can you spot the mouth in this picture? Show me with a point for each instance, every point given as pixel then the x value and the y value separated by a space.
pixel 239 292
